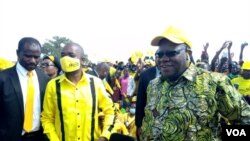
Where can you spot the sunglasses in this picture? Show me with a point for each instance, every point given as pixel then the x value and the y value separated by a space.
pixel 160 54
pixel 45 65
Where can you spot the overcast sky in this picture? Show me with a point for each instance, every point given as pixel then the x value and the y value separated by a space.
pixel 115 28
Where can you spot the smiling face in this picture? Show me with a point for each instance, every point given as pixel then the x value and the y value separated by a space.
pixel 49 67
pixel 172 59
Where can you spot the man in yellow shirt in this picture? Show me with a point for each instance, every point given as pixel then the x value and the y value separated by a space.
pixel 129 118
pixel 242 83
pixel 72 100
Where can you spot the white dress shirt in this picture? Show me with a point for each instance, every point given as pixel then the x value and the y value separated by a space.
pixel 23 78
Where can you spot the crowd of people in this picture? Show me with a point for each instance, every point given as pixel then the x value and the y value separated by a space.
pixel 168 96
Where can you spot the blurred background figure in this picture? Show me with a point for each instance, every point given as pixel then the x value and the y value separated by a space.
pixel 234 70
pixel 4 64
pixel 203 65
pixel 102 70
pixel 129 118
pixel 51 66
pixel 204 54
pixel 127 87
pixel 242 82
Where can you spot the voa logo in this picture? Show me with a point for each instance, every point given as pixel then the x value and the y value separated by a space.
pixel 236 132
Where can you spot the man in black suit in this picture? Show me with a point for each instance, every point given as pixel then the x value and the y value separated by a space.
pixel 14 92
pixel 144 79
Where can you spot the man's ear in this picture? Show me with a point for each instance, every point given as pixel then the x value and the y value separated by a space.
pixel 187 56
pixel 82 61
pixel 18 53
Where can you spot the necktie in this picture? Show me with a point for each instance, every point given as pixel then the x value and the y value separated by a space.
pixel 28 116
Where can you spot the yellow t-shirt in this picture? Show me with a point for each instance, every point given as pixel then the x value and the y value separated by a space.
pixel 243 85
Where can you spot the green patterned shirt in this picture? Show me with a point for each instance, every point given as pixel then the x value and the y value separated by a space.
pixel 190 108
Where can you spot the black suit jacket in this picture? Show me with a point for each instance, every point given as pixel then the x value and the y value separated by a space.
pixel 11 103
pixel 144 79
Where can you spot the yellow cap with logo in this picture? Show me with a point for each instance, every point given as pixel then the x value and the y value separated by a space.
pixel 174 35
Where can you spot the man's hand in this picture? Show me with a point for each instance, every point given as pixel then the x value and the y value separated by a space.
pixel 226 44
pixel 206 46
pixel 229 44
pixel 138 134
pixel 243 45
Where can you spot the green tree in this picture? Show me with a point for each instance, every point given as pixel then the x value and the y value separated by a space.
pixel 54 46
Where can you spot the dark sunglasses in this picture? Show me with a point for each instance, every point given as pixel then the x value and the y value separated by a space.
pixel 160 54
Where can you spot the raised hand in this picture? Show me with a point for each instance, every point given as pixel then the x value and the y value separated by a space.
pixel 243 45
pixel 226 44
pixel 229 44
pixel 205 46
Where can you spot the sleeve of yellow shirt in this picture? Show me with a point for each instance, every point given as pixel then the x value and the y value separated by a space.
pixel 234 107
pixel 48 113
pixel 106 104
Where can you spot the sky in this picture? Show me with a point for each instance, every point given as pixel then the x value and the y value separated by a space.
pixel 114 29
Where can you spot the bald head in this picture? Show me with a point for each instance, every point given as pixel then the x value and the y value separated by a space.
pixel 73 50
pixel 76 47
pixel 102 69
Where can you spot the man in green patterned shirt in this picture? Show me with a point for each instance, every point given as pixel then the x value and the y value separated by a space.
pixel 186 102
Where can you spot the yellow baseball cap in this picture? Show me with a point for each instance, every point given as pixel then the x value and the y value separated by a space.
pixel 133 99
pixel 246 65
pixel 174 35
pixel 52 58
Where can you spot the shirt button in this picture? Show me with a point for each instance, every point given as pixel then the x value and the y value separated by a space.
pixel 78 113
pixel 78 138
pixel 78 126
pixel 76 100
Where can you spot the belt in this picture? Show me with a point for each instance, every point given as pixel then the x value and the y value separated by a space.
pixel 32 134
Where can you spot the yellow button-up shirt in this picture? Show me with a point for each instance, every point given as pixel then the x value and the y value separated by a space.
pixel 243 85
pixel 77 106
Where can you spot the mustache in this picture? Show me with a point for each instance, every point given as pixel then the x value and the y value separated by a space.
pixel 32 64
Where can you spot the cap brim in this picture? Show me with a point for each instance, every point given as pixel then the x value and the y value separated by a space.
pixel 156 40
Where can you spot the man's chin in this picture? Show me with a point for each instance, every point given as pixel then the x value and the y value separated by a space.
pixel 164 76
pixel 30 68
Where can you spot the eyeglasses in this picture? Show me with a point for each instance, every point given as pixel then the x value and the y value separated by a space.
pixel 45 65
pixel 168 53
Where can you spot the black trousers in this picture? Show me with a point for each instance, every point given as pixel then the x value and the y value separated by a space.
pixel 120 137
pixel 34 136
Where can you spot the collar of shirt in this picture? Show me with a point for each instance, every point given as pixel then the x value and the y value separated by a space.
pixel 84 78
pixel 22 70
pixel 188 74
pixel 158 72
